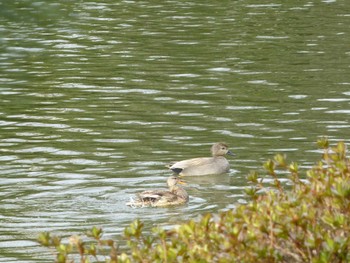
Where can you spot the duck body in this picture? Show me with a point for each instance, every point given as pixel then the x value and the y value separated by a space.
pixel 176 195
pixel 201 166
pixel 217 164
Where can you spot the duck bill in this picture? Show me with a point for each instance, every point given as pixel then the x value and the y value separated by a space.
pixel 230 153
pixel 180 181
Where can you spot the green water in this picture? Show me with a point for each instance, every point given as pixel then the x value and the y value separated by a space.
pixel 96 97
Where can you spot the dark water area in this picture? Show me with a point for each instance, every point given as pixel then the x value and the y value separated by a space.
pixel 97 97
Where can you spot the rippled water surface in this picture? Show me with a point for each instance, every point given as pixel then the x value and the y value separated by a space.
pixel 96 97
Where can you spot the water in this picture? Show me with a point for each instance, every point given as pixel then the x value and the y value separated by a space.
pixel 96 97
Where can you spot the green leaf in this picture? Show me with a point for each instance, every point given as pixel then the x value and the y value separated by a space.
pixel 44 238
pixel 281 160
pixel 96 232
pixel 253 177
pixel 269 166
pixel 323 143
pixel 293 167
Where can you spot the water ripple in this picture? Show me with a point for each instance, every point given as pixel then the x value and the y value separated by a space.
pixel 95 104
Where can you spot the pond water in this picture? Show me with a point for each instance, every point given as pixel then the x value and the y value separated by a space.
pixel 96 97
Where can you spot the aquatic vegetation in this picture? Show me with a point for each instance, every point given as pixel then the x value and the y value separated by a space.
pixel 305 221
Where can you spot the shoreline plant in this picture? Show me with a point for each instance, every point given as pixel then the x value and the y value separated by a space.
pixel 308 222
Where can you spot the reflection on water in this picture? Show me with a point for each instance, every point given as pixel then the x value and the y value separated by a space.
pixel 97 97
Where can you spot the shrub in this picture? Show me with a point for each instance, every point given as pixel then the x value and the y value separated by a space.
pixel 308 222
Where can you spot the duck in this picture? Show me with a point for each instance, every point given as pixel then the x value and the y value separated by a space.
pixel 217 164
pixel 176 195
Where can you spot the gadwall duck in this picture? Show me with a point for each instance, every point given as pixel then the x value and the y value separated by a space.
pixel 217 164
pixel 176 195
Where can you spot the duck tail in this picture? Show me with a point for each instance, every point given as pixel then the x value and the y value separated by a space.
pixel 132 203
pixel 177 170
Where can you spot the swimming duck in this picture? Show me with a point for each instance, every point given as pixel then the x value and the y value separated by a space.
pixel 176 195
pixel 217 164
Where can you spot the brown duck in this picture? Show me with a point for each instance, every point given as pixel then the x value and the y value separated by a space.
pixel 176 195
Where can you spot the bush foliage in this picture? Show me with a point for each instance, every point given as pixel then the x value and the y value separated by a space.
pixel 307 222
